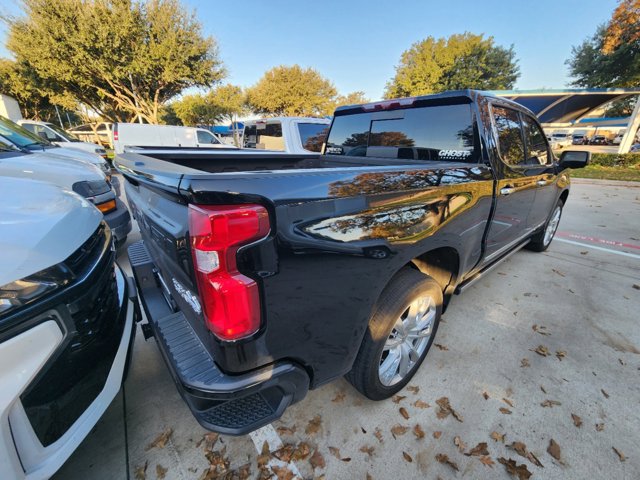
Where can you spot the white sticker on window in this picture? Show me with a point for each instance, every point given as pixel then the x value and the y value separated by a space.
pixel 453 154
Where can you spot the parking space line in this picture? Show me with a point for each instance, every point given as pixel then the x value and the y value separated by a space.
pixel 268 434
pixel 595 247
pixel 588 238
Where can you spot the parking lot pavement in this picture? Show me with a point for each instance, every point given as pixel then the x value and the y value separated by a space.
pixel 544 348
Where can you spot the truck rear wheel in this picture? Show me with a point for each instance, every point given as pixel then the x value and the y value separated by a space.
pixel 401 331
pixel 541 240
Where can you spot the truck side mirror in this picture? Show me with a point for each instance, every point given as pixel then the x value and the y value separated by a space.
pixel 574 159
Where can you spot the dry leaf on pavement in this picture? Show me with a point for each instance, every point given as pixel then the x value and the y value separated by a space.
pixel 479 450
pixel 418 432
pixel 283 430
pixel 339 397
pixel 577 421
pixel 421 404
pixel 554 450
pixel 442 458
pixel 508 402
pixel 407 457
pixel 498 437
pixel 446 409
pixel 378 434
pixel 140 472
pixel 314 425
pixel 457 441
pixel 282 473
pixel 561 354
pixel 485 395
pixel 558 272
pixel 398 398
pixel 524 363
pixel 620 454
pixel 504 410
pixel 161 472
pixel 521 449
pixel 161 440
pixel 441 347
pixel 486 460
pixel 542 350
pixel 302 451
pixel 541 329
pixel 404 413
pixel 413 389
pixel 368 449
pixel 514 469
pixel 398 430
pixel 437 435
pixel 599 427
pixel 550 403
pixel 606 395
pixel 317 460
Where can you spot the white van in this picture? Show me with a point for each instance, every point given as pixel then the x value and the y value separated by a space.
pixel 297 135
pixel 144 135
pixel 58 136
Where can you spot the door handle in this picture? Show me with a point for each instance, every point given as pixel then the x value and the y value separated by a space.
pixel 541 183
pixel 507 190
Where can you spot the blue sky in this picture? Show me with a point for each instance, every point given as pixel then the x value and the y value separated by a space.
pixel 356 44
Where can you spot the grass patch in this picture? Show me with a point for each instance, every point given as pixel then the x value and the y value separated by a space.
pixel 629 174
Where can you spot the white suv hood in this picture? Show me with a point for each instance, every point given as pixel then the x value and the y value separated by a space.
pixel 40 226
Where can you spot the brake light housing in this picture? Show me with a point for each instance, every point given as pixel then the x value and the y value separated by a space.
pixel 230 300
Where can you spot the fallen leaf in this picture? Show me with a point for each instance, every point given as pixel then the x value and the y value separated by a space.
pixel 584 252
pixel 437 435
pixel 519 447
pixel 285 453
pixel 398 398
pixel 446 409
pixel 621 362
pixel 541 350
pixel 498 437
pixel 560 354
pixel 314 425
pixel 636 286
pixel 418 432
pixel 620 454
pixel 367 449
pixel 301 452
pixel 218 464
pixel 504 410
pixel 378 434
pixel 542 388
pixel 550 403
pixel 577 421
pixel 441 347
pixel 161 472
pixel 335 452
pixel 161 440
pixel 407 457
pixel 397 430
pixel 479 450
pixel 508 402
pixel 413 389
pixel 282 473
pixel 338 398
pixel 264 456
pixel 599 427
pixel 286 430
pixel 457 441
pixel 242 473
pixel 554 449
pixel 541 329
pixel 558 272
pixel 486 460
pixel 404 413
pixel 606 395
pixel 514 469
pixel 317 460
pixel 442 458
pixel 140 472
pixel 421 404
pixel 525 363
pixel 485 395
pixel 369 477
pixel 363 430
pixel 533 459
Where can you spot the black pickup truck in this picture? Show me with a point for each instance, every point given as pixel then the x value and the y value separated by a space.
pixel 265 277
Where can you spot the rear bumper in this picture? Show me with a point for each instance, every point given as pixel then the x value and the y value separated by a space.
pixel 119 220
pixel 229 404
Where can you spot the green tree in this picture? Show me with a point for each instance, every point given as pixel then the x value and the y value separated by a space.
pixel 120 58
pixel 16 82
pixel 611 57
pixel 353 98
pixel 292 91
pixel 197 109
pixel 459 61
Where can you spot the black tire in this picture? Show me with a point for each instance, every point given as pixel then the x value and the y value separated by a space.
pixel 407 286
pixel 539 243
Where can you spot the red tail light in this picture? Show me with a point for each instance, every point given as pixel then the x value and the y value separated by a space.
pixel 115 132
pixel 230 300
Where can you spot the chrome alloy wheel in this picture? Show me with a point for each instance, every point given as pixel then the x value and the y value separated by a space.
pixel 407 341
pixel 552 226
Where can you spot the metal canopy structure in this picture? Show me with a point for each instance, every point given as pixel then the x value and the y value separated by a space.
pixel 568 106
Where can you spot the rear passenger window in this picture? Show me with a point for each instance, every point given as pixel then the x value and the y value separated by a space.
pixel 510 143
pixel 537 148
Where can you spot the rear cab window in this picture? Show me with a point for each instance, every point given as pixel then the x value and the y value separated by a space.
pixel 429 133
pixel 264 136
pixel 312 135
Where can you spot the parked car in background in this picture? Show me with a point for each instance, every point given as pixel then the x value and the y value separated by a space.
pixel 297 135
pixel 100 133
pixel 599 140
pixel 561 140
pixel 144 135
pixel 579 139
pixel 9 108
pixel 635 148
pixel 60 137
pixel 26 141
pixel 618 138
pixel 67 316
pixel 412 200
pixel 85 179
